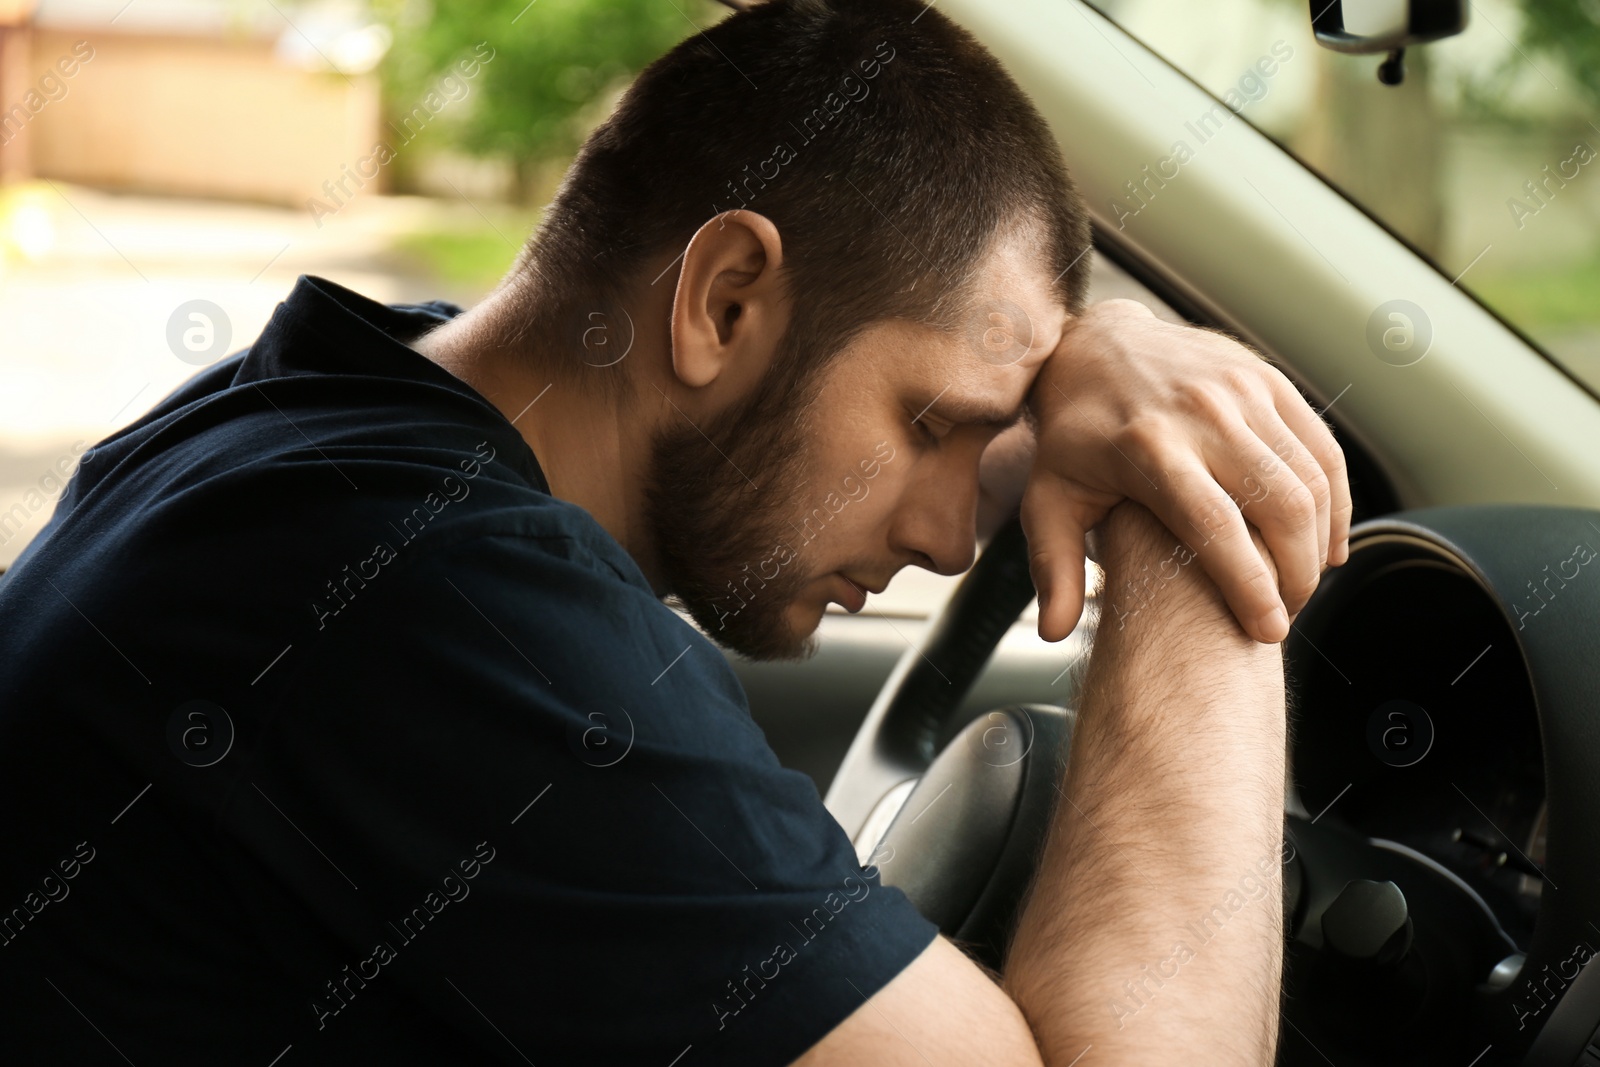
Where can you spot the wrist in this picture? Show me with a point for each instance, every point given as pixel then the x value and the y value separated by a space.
pixel 1154 580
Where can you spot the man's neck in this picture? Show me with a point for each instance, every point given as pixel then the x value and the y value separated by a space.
pixel 593 452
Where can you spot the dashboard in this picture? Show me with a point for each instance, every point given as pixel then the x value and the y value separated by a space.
pixel 1445 761
pixel 1415 722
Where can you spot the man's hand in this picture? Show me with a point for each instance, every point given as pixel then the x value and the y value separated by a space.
pixel 1205 434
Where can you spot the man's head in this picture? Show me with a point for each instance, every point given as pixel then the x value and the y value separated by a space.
pixel 835 242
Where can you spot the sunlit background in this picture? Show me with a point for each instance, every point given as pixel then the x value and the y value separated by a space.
pixel 159 152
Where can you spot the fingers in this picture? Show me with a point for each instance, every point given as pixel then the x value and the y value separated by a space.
pixel 1197 508
pixel 1056 523
pixel 1303 466
pixel 1318 440
pixel 1284 494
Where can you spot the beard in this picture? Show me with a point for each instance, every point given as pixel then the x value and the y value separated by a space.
pixel 718 508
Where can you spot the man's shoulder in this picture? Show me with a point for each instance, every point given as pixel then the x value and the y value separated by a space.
pixel 280 514
pixel 298 468
pixel 326 527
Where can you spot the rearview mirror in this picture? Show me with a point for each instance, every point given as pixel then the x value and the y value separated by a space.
pixel 1368 27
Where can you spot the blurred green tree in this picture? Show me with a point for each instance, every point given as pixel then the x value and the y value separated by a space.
pixel 1569 30
pixel 556 63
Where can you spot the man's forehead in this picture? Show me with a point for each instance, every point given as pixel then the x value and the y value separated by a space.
pixel 978 369
pixel 949 382
pixel 1015 313
pixel 996 356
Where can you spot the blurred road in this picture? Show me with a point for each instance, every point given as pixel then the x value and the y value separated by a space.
pixel 86 295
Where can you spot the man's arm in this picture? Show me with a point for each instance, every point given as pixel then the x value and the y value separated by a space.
pixel 1154 922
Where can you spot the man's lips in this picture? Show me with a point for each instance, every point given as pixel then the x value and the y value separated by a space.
pixel 855 594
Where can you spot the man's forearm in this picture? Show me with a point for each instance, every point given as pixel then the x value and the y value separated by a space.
pixel 1154 925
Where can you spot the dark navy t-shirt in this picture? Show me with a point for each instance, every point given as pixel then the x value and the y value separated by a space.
pixel 327 735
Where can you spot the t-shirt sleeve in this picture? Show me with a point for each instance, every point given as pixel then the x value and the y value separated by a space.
pixel 520 790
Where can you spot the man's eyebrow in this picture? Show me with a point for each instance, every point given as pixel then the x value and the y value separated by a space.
pixel 971 411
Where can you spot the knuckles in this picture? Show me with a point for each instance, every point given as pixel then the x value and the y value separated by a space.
pixel 1142 438
pixel 1201 399
pixel 1299 510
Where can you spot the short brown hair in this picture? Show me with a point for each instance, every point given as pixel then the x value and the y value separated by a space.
pixel 886 144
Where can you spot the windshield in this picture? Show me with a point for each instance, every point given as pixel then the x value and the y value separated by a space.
pixel 1485 158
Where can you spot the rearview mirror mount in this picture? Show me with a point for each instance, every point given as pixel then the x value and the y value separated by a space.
pixel 1370 27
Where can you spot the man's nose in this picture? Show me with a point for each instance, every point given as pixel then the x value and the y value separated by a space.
pixel 940 523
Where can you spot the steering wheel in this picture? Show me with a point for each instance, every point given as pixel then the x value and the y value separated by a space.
pixel 988 785
pixel 1392 955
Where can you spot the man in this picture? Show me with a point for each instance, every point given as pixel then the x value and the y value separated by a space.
pixel 343 720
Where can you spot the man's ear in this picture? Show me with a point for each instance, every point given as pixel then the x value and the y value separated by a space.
pixel 729 310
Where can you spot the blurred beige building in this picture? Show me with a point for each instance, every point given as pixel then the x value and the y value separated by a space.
pixel 251 101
